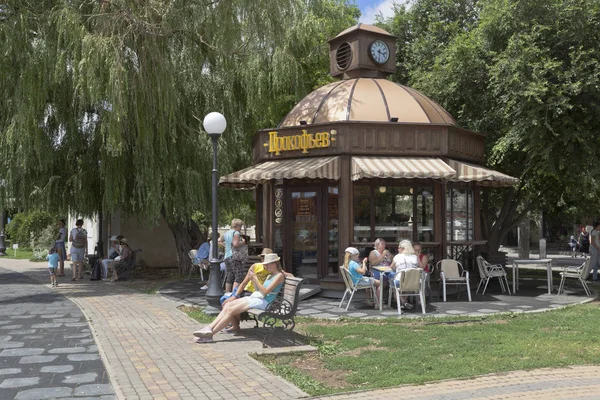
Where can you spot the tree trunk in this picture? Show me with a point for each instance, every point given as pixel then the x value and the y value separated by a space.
pixel 182 246
pixel 524 238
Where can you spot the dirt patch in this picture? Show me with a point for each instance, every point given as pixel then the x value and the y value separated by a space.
pixel 312 365
pixel 357 352
pixel 501 322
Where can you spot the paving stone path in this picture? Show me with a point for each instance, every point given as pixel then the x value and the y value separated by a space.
pixel 46 346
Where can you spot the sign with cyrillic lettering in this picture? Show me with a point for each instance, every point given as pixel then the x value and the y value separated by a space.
pixel 305 141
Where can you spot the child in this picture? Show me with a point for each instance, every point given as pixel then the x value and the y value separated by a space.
pixel 52 265
pixel 574 245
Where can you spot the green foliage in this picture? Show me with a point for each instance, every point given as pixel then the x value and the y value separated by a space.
pixel 28 228
pixel 43 241
pixel 102 100
pixel 526 74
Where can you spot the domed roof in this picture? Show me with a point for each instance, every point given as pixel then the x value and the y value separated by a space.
pixel 366 100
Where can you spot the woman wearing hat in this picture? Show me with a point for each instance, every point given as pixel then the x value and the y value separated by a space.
pixel 123 259
pixel 113 252
pixel 263 295
pixel 357 272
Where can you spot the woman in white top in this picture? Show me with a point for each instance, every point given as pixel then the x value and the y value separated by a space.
pixel 405 259
pixel 61 249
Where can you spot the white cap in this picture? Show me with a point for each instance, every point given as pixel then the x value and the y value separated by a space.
pixel 352 250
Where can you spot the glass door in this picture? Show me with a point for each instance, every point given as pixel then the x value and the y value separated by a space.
pixel 305 233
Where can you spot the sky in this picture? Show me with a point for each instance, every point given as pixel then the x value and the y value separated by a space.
pixel 371 8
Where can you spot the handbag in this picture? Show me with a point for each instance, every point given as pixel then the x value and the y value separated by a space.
pixel 239 254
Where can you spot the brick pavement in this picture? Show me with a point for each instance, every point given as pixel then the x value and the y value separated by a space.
pixel 147 345
pixel 46 346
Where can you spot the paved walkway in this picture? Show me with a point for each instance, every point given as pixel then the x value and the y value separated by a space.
pixel 46 346
pixel 149 349
pixel 149 352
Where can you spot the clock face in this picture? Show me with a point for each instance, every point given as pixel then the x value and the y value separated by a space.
pixel 379 52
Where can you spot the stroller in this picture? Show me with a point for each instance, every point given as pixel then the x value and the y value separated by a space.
pixel 574 246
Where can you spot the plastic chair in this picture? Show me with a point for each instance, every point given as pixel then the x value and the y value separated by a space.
pixel 488 271
pixel 408 282
pixel 192 256
pixel 351 288
pixel 452 272
pixel 582 273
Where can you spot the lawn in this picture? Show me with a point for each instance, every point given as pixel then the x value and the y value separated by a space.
pixel 21 254
pixel 358 354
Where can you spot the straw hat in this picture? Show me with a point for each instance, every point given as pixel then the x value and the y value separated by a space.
pixel 270 258
pixel 124 240
pixel 266 250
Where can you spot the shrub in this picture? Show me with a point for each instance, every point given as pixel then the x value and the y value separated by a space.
pixel 25 228
pixel 42 242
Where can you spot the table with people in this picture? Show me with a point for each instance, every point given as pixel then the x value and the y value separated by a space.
pixel 384 267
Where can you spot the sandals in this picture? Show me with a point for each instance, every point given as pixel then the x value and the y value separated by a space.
pixel 201 340
pixel 73 279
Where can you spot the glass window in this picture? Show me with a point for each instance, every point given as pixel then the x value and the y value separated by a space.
pixel 332 229
pixel 362 213
pixel 393 213
pixel 459 214
pixel 425 214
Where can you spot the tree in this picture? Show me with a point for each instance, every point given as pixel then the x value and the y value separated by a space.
pixel 102 99
pixel 526 74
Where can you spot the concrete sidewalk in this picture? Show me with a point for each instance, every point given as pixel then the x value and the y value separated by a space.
pixel 147 346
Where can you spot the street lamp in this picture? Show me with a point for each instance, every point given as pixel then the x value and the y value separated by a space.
pixel 214 124
pixel 2 244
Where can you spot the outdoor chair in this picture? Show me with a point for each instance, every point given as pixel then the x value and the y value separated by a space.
pixel 351 288
pixel 408 282
pixel 453 273
pixel 582 273
pixel 488 271
pixel 199 266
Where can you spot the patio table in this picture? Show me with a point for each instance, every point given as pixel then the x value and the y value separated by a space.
pixel 516 264
pixel 384 275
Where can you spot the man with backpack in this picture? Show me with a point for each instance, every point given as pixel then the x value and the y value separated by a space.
pixel 79 244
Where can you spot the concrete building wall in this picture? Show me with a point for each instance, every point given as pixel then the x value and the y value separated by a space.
pixel 157 242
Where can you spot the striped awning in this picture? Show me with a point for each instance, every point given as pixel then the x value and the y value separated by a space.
pixel 400 168
pixel 305 168
pixel 483 176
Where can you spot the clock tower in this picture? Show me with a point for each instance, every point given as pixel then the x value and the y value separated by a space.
pixel 362 51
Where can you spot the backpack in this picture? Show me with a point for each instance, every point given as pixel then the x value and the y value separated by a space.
pixel 80 239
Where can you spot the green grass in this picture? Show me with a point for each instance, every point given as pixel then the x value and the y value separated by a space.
pixel 197 314
pixel 21 254
pixel 376 354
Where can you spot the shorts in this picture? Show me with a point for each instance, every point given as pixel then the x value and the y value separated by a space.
pixel 77 255
pixel 365 281
pixel 235 271
pixel 52 270
pixel 228 295
pixel 256 302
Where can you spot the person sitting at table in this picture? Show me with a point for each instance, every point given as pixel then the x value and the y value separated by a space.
pixel 422 260
pixel 357 272
pixel 379 257
pixel 405 259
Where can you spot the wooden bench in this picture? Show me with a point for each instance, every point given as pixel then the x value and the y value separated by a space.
pixel 127 271
pixel 283 308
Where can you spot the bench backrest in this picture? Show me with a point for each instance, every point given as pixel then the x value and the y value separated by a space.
pixel 291 293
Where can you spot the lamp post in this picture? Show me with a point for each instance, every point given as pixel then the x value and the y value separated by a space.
pixel 2 243
pixel 214 124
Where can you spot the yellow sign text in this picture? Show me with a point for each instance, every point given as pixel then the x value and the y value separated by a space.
pixel 304 142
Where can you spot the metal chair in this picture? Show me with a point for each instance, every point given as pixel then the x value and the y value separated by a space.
pixel 408 282
pixel 351 288
pixel 582 273
pixel 488 271
pixel 192 256
pixel 452 272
